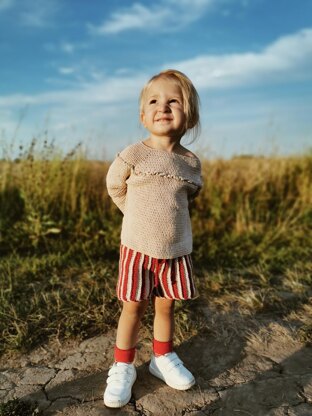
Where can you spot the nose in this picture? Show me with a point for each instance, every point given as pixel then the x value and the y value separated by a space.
pixel 163 106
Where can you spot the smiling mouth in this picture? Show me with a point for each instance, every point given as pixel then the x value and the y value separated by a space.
pixel 164 119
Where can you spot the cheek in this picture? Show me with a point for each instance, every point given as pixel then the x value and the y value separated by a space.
pixel 147 117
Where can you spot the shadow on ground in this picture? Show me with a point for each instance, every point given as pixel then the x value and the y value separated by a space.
pixel 243 366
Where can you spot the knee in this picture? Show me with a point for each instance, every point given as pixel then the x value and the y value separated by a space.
pixel 134 310
pixel 164 307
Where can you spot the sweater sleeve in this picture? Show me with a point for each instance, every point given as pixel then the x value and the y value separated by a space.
pixel 193 195
pixel 116 177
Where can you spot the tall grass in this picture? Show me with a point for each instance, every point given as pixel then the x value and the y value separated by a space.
pixel 259 203
pixel 59 240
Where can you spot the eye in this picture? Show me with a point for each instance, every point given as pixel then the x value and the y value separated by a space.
pixel 153 101
pixel 173 100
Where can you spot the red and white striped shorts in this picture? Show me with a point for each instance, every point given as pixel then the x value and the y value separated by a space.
pixel 141 276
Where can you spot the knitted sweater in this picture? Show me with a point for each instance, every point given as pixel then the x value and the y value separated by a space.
pixel 152 188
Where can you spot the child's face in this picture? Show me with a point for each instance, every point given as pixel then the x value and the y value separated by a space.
pixel 163 113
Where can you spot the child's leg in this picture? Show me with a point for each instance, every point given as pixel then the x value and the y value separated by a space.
pixel 122 374
pixel 165 364
pixel 163 325
pixel 129 324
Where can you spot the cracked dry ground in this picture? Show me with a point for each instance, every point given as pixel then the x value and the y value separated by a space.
pixel 243 367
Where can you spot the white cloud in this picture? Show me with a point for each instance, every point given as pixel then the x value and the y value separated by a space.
pixel 67 47
pixel 111 90
pixel 65 70
pixel 6 4
pixel 166 16
pixel 39 13
pixel 108 106
pixel 289 57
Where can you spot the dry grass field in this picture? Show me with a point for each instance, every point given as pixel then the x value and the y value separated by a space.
pixel 59 240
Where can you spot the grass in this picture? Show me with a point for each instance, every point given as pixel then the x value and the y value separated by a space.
pixel 59 242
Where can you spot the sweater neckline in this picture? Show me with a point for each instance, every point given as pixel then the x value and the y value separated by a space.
pixel 165 151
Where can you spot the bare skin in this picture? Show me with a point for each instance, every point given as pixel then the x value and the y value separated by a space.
pixel 163 116
pixel 130 319
pixel 163 319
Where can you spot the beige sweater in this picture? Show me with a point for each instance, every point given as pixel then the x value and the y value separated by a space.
pixel 152 188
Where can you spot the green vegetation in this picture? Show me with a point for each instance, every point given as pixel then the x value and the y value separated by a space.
pixel 59 243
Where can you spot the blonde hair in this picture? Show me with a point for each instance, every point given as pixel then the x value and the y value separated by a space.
pixel 190 98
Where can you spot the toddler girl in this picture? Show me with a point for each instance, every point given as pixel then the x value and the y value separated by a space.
pixel 152 182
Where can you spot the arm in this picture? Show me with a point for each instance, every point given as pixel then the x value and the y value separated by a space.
pixel 116 177
pixel 194 195
pixel 199 186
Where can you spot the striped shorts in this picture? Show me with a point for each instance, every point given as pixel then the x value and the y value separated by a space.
pixel 142 276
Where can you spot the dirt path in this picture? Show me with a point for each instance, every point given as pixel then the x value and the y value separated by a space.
pixel 242 367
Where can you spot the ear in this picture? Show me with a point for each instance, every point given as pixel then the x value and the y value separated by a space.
pixel 142 118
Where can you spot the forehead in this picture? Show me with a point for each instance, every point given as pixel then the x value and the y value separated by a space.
pixel 164 85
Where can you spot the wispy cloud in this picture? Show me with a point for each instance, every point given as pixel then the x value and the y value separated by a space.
pixel 288 58
pixel 39 13
pixel 67 47
pixel 63 46
pixel 99 103
pixel 66 70
pixel 109 91
pixel 169 15
pixel 6 4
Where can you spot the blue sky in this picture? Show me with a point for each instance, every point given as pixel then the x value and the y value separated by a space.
pixel 74 69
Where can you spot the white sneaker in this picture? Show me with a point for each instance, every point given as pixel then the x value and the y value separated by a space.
pixel 171 370
pixel 121 378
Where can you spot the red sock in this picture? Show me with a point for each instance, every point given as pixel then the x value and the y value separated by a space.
pixel 161 348
pixel 124 356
